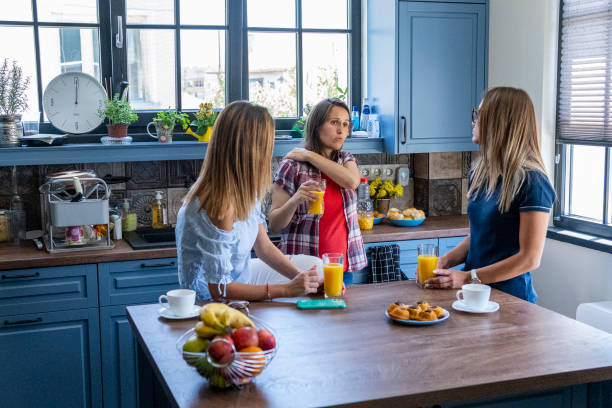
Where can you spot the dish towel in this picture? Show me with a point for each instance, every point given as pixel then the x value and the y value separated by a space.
pixel 384 261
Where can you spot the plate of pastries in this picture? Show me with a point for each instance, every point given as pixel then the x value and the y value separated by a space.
pixel 410 217
pixel 378 217
pixel 420 313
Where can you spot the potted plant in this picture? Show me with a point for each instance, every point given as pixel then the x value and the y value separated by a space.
pixel 203 121
pixel 164 122
pixel 382 193
pixel 13 102
pixel 120 115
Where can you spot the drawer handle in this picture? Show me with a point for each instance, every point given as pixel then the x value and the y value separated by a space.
pixel 157 265
pixel 404 140
pixel 33 275
pixel 37 320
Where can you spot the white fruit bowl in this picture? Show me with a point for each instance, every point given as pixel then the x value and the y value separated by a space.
pixel 241 369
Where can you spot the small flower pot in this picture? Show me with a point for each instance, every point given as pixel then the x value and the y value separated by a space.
pixel 117 130
pixel 382 205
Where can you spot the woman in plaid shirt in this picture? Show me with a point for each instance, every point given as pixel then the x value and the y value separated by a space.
pixel 337 230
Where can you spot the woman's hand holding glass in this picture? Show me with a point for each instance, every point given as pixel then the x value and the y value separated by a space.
pixel 304 193
pixel 304 283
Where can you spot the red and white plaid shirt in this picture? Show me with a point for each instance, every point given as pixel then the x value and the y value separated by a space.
pixel 301 236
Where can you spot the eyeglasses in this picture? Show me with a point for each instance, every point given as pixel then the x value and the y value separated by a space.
pixel 475 115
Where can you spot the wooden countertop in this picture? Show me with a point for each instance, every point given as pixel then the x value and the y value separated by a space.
pixel 29 257
pixel 357 357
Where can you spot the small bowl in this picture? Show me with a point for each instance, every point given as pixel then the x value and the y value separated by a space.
pixel 406 223
pixel 378 220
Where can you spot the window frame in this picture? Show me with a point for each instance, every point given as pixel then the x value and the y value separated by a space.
pixel 563 165
pixel 113 60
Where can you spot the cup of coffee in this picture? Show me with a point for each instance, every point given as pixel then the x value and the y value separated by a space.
pixel 474 295
pixel 179 301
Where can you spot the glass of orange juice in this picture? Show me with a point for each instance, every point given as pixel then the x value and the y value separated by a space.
pixel 427 258
pixel 333 271
pixel 316 207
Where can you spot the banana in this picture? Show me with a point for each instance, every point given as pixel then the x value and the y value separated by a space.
pixel 206 332
pixel 210 314
pixel 236 319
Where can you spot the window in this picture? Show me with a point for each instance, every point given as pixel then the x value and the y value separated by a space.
pixel 179 53
pixel 584 118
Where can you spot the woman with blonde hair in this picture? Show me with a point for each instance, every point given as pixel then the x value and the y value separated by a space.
pixel 510 197
pixel 221 220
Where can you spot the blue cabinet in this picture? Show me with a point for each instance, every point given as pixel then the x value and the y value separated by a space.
pixel 51 359
pixel 426 72
pixel 122 284
pixel 448 244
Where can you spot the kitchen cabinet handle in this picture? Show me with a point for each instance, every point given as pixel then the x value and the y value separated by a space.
pixel 404 121
pixel 157 265
pixel 37 320
pixel 33 275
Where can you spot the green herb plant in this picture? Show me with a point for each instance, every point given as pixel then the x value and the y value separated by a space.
pixel 204 118
pixel 118 111
pixel 13 86
pixel 168 119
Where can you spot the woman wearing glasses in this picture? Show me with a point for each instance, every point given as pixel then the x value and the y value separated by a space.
pixel 221 221
pixel 510 197
pixel 300 174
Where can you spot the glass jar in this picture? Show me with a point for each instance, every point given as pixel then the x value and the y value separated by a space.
pixel 365 209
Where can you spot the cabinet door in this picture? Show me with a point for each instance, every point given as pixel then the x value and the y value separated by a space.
pixel 119 364
pixel 448 244
pixel 51 359
pixel 441 74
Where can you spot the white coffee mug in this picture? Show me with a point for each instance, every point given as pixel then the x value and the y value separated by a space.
pixel 474 295
pixel 180 301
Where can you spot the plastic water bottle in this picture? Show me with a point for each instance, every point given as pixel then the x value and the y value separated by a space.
pixel 365 114
pixel 365 209
pixel 355 118
pixel 373 126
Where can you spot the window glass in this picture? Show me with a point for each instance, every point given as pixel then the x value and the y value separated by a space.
pixel 149 11
pixel 325 62
pixel 69 49
pixel 203 67
pixel 198 12
pixel 68 11
pixel 272 76
pixel 151 68
pixel 610 187
pixel 271 13
pixel 20 10
pixel 586 182
pixel 22 52
pixel 325 14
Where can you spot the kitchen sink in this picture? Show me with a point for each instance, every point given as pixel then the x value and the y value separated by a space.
pixel 148 238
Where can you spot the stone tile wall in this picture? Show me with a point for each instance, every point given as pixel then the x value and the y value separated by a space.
pixel 438 182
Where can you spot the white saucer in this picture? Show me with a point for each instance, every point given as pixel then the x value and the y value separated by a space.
pixel 163 312
pixel 491 307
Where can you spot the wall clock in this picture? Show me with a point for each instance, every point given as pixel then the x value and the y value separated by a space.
pixel 71 102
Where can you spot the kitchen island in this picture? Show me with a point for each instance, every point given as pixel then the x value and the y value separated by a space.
pixel 522 354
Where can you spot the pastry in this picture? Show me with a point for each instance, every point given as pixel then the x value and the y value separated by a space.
pixel 438 311
pixel 427 315
pixel 422 305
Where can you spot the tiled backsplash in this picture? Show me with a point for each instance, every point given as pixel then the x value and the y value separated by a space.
pixel 438 182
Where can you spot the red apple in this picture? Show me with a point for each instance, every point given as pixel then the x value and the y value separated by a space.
pixel 220 351
pixel 245 337
pixel 266 339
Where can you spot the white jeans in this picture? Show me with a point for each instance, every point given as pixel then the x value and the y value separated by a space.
pixel 261 273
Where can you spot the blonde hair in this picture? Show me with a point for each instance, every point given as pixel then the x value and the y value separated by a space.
pixel 509 144
pixel 237 168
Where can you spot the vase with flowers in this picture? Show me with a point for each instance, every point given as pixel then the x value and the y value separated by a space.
pixel 203 122
pixel 382 192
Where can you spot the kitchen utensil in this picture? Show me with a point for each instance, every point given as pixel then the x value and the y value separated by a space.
pixel 406 223
pixel 489 308
pixel 35 236
pixel 167 313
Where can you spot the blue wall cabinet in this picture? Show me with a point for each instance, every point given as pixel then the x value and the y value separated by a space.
pixel 51 359
pixel 426 72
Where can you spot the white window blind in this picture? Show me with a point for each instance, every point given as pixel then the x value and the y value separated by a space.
pixel 585 82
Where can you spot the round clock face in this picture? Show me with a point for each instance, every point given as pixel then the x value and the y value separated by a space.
pixel 71 102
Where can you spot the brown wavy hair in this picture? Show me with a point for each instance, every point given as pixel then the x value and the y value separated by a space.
pixel 316 119
pixel 509 144
pixel 237 168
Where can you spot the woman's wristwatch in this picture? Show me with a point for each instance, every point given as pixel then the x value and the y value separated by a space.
pixel 474 276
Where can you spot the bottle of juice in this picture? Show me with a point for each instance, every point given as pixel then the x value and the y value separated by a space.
pixel 365 209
